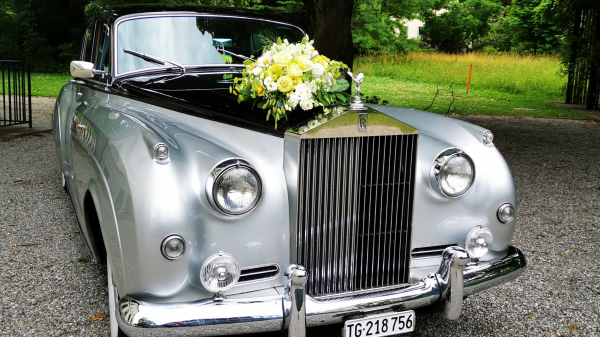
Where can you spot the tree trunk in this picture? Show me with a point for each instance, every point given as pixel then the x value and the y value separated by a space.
pixel 594 85
pixel 573 57
pixel 330 23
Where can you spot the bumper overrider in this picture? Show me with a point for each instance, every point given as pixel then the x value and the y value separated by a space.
pixel 295 311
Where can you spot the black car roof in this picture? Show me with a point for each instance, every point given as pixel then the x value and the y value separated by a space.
pixel 118 11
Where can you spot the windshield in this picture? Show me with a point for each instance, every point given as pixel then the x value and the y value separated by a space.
pixel 193 41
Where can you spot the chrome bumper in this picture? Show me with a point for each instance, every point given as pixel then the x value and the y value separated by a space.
pixel 295 311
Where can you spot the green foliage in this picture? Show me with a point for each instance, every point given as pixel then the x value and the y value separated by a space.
pixel 527 26
pixel 517 85
pixel 47 33
pixel 378 25
pixel 451 26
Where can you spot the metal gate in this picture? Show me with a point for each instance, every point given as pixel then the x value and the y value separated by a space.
pixel 16 93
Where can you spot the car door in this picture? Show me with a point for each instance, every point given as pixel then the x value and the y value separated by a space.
pixel 84 136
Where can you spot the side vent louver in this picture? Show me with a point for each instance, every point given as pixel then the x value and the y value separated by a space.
pixel 431 251
pixel 258 273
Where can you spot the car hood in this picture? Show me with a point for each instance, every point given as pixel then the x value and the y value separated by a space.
pixel 208 96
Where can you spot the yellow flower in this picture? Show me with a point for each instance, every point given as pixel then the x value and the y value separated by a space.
pixel 275 69
pixel 285 84
pixel 294 70
pixel 260 89
pixel 320 59
pixel 297 80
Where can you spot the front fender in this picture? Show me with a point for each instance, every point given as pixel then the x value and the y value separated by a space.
pixel 153 199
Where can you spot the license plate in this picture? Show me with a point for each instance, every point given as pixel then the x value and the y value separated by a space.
pixel 381 325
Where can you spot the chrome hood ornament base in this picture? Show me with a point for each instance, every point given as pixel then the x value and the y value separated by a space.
pixel 357 104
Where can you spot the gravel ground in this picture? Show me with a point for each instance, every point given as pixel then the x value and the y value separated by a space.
pixel 48 288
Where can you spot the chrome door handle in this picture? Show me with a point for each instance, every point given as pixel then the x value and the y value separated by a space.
pixel 75 81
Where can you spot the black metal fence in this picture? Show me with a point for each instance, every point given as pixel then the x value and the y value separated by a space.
pixel 16 93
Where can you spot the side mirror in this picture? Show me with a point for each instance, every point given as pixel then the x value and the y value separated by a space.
pixel 83 69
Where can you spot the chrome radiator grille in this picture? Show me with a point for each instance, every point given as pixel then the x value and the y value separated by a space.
pixel 355 212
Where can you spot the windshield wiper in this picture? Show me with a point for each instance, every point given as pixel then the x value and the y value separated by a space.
pixel 154 59
pixel 221 49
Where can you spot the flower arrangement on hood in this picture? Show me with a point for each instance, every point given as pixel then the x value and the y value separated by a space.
pixel 291 76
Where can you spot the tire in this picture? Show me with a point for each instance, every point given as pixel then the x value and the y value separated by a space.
pixel 64 182
pixel 115 331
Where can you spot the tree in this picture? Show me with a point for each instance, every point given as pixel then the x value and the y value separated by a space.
pixel 330 25
pixel 526 27
pixel 46 32
pixel 451 26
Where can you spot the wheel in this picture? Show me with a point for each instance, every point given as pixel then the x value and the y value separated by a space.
pixel 115 331
pixel 64 182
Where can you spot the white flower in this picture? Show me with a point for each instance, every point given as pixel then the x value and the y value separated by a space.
pixel 282 57
pixel 303 129
pixel 264 60
pixel 256 71
pixel 307 105
pixel 313 124
pixel 268 80
pixel 271 86
pixel 318 69
pixel 312 86
pixel 294 99
pixel 303 92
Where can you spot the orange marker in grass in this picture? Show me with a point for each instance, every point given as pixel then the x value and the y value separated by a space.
pixel 469 82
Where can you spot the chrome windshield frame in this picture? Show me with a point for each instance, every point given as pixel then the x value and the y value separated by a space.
pixel 115 70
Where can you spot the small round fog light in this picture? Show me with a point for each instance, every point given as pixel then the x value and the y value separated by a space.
pixel 506 213
pixel 479 241
pixel 220 272
pixel 488 138
pixel 173 247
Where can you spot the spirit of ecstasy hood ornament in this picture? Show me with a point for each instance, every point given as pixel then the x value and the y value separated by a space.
pixel 357 104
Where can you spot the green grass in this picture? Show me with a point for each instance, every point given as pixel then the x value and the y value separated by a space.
pixel 47 85
pixel 508 85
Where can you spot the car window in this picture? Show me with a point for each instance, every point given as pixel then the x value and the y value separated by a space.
pixel 102 49
pixel 191 40
pixel 88 43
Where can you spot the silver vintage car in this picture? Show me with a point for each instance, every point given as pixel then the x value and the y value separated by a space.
pixel 212 221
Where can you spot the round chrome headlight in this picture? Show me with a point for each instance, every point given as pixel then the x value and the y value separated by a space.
pixel 479 240
pixel 234 187
pixel 220 272
pixel 452 173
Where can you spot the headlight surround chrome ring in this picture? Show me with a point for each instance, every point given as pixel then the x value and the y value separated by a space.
pixel 215 179
pixel 441 167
